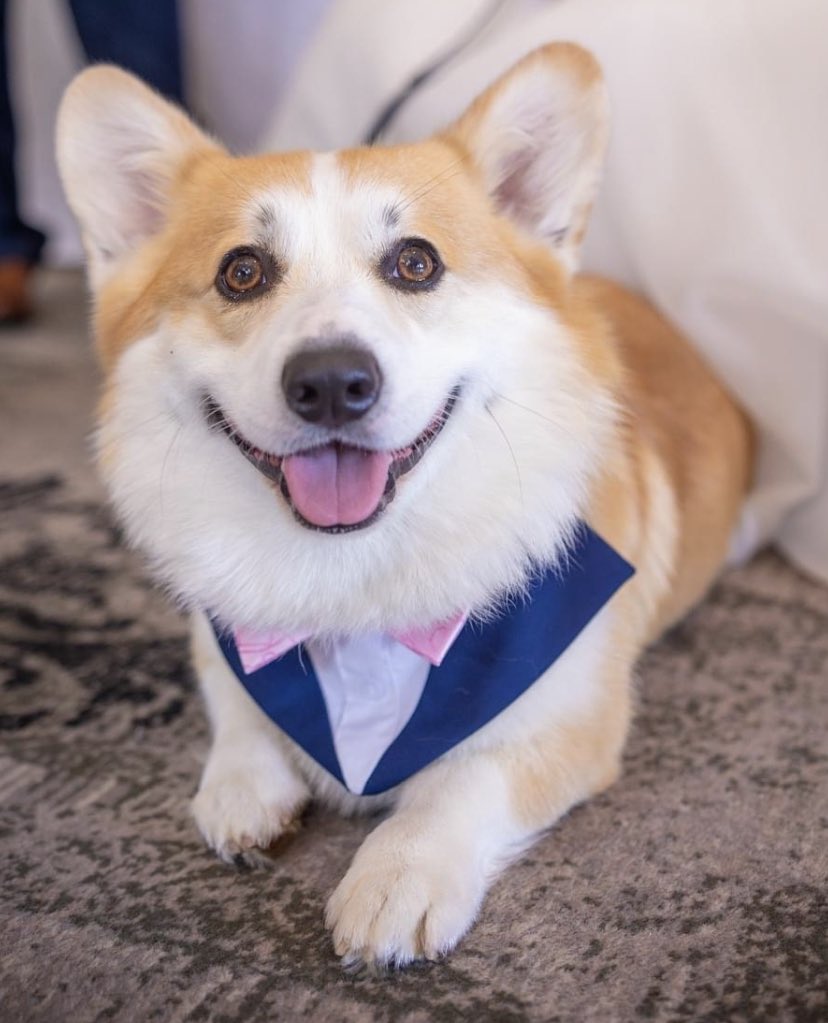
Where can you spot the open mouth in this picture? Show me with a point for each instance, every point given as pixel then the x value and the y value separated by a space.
pixel 336 487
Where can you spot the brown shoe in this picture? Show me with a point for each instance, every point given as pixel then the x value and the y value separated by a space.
pixel 15 304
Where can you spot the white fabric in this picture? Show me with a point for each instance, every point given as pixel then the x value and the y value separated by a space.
pixel 371 685
pixel 713 203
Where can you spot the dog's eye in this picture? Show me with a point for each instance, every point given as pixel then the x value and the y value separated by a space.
pixel 416 264
pixel 244 273
pixel 412 265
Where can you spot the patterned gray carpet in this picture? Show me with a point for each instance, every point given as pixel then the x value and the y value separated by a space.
pixel 694 890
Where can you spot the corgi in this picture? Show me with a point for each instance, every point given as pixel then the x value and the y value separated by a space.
pixel 426 491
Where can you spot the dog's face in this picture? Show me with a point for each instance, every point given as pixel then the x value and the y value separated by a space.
pixel 352 389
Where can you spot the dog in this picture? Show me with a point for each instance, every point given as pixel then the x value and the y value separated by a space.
pixel 427 491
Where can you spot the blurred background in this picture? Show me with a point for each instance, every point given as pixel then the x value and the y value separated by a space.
pixel 237 60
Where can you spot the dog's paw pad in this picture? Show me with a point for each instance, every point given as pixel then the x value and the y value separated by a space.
pixel 242 816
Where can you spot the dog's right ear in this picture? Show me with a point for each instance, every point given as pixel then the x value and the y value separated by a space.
pixel 120 148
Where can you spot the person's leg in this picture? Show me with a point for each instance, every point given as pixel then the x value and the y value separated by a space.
pixel 142 37
pixel 20 244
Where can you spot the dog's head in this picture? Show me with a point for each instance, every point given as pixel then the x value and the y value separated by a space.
pixel 353 389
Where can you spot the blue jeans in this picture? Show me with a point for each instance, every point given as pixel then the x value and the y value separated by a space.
pixel 139 35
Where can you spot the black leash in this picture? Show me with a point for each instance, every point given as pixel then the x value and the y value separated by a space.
pixel 392 108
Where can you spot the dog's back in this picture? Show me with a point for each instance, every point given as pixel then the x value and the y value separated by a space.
pixel 676 408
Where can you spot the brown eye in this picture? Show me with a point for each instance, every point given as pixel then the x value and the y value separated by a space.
pixel 244 273
pixel 413 265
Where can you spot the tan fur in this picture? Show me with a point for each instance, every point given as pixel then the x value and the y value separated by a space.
pixel 175 271
pixel 685 443
pixel 678 412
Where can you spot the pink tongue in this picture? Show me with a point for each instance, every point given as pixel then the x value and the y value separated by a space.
pixel 336 486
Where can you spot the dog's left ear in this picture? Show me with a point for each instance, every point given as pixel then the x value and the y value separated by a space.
pixel 538 137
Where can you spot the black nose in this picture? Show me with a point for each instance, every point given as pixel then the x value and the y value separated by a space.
pixel 331 386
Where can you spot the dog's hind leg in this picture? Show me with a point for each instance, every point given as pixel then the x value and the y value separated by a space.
pixel 250 793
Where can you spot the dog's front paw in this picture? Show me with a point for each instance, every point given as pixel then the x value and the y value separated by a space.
pixel 410 893
pixel 244 806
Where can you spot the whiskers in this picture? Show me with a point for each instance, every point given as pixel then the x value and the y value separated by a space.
pixel 508 443
pixel 213 415
pixel 176 437
pixel 217 422
pixel 210 414
pixel 557 424
pixel 430 184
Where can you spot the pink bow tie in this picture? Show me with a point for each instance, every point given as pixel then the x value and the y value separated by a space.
pixel 256 649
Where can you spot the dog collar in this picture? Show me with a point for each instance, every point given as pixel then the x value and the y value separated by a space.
pixel 374 709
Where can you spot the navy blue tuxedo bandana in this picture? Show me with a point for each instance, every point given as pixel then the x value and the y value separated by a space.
pixel 486 669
